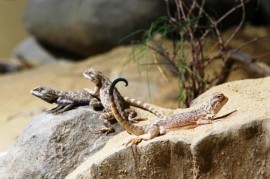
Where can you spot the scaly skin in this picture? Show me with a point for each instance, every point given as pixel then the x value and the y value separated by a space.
pixel 123 103
pixel 65 100
pixel 203 115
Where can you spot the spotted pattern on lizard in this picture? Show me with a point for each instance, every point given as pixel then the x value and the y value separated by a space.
pixel 101 90
pixel 203 115
pixel 66 100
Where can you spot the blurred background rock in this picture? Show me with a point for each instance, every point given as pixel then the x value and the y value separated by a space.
pixel 73 28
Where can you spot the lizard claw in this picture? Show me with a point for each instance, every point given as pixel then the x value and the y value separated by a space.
pixel 107 130
pixel 54 112
pixel 136 120
pixel 134 141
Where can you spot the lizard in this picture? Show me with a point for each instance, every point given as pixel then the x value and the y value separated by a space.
pixel 66 100
pixel 101 90
pixel 203 115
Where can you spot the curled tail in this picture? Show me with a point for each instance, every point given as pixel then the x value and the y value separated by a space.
pixel 142 105
pixel 129 127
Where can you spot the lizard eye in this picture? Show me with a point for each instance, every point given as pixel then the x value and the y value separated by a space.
pixel 221 97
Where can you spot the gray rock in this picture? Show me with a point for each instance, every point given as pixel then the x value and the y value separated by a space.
pixel 33 52
pixel 2 157
pixel 91 26
pixel 52 146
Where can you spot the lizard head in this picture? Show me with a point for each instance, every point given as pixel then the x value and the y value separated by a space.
pixel 45 93
pixel 93 75
pixel 216 102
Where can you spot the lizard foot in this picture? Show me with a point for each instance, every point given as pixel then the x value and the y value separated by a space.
pixel 134 141
pixel 55 110
pixel 107 130
pixel 135 120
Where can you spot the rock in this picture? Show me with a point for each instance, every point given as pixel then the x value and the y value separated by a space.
pixel 238 146
pixel 52 146
pixel 216 155
pixel 31 51
pixel 8 68
pixel 89 27
pixel 264 11
pixel 241 152
pixel 3 156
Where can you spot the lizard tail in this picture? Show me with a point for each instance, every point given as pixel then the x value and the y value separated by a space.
pixel 129 127
pixel 142 105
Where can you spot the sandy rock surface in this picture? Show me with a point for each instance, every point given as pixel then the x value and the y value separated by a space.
pixel 237 146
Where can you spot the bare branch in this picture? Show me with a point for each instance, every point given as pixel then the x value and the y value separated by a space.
pixel 240 24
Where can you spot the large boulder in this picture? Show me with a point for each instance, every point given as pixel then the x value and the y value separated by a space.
pixel 52 146
pixel 242 152
pixel 84 28
pixel 89 27
pixel 236 147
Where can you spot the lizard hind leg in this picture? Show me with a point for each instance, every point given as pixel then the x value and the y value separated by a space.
pixel 64 109
pixel 131 115
pixel 152 132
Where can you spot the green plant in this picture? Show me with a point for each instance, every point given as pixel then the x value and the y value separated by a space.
pixel 186 29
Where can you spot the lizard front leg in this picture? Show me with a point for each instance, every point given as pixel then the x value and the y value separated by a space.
pixel 64 109
pixel 66 105
pixel 53 110
pixel 94 92
pixel 95 104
